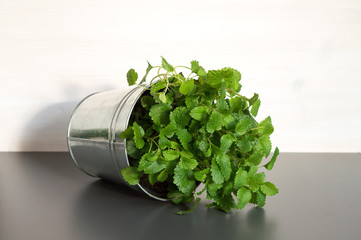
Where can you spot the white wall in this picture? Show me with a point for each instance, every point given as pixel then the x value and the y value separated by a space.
pixel 302 57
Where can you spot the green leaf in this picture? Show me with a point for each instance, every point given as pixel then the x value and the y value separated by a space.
pixel 132 77
pixel 270 164
pixel 261 199
pixel 227 141
pixel 255 107
pixel 162 97
pixel 269 189
pixel 154 167
pixel 188 163
pixel 266 145
pixel 201 175
pixel 163 175
pixel 155 87
pixel 241 178
pixel 224 163
pixel 215 122
pixel 222 105
pixel 152 178
pixel 169 130
pixel 131 175
pixel 236 104
pixel 146 73
pixel 216 173
pixel 256 181
pixel 202 73
pixel 159 114
pixel 184 137
pixel 245 144
pixel 167 66
pixel 194 66
pixel 256 158
pixel 138 135
pixel 199 113
pixel 184 180
pixel 147 102
pixel 266 127
pixel 243 126
pixel 243 196
pixel 170 155
pixel 128 133
pixel 216 77
pixel 186 87
pixel 191 101
pixel 180 117
pixel 253 99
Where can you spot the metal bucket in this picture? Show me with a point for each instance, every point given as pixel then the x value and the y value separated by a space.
pixel 94 130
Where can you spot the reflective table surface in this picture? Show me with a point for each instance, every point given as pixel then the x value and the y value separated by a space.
pixel 45 196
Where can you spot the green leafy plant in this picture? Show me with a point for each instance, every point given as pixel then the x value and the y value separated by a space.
pixel 199 129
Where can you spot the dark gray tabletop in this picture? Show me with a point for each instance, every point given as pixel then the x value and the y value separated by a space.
pixel 45 196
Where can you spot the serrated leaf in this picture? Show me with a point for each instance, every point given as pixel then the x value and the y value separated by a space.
pixel 169 130
pixel 269 189
pixel 255 158
pixel 253 99
pixel 184 137
pixel 138 135
pixel 132 77
pixel 266 145
pixel 188 163
pixel 162 97
pixel 256 181
pixel 216 173
pixel 131 175
pixel 243 126
pixel 155 87
pixel 236 104
pixel 147 102
pixel 215 122
pixel 241 178
pixel 227 141
pixel 201 175
pixel 182 179
pixel 163 175
pixel 245 144
pixel 216 77
pixel 159 114
pixel 186 87
pixel 194 66
pixel 222 105
pixel 152 178
pixel 270 164
pixel 255 107
pixel 224 162
pixel 170 155
pixel 261 199
pixel 202 145
pixel 154 167
pixel 167 66
pixel 191 101
pixel 180 117
pixel 199 113
pixel 202 73
pixel 266 127
pixel 243 196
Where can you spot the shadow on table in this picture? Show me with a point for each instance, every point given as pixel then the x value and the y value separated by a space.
pixel 104 211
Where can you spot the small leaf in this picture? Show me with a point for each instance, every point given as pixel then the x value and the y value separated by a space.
pixel 256 158
pixel 184 137
pixel 255 107
pixel 162 97
pixel 128 133
pixel 194 66
pixel 201 175
pixel 266 127
pixel 191 101
pixel 256 181
pixel 199 113
pixel 170 155
pixel 261 199
pixel 166 65
pixel 154 167
pixel 269 189
pixel 216 173
pixel 266 145
pixel 138 135
pixel 240 179
pixel 132 77
pixel 243 196
pixel 270 164
pixel 215 122
pixel 188 163
pixel 243 126
pixel 224 162
pixel 181 178
pixel 227 141
pixel 147 102
pixel 169 130
pixel 253 99
pixel 180 117
pixel 131 175
pixel 146 73
pixel 159 114
pixel 186 87
pixel 163 175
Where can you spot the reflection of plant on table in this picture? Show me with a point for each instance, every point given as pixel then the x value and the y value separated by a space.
pixel 196 128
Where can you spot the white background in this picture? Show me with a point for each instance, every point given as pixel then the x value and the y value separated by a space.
pixel 302 57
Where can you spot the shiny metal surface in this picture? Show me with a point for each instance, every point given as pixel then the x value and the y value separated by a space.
pixel 94 134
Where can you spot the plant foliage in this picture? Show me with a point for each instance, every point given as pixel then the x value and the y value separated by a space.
pixel 199 129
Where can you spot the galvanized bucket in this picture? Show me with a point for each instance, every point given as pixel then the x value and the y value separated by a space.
pixel 94 130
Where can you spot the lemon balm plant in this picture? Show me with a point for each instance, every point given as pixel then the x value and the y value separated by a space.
pixel 195 128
